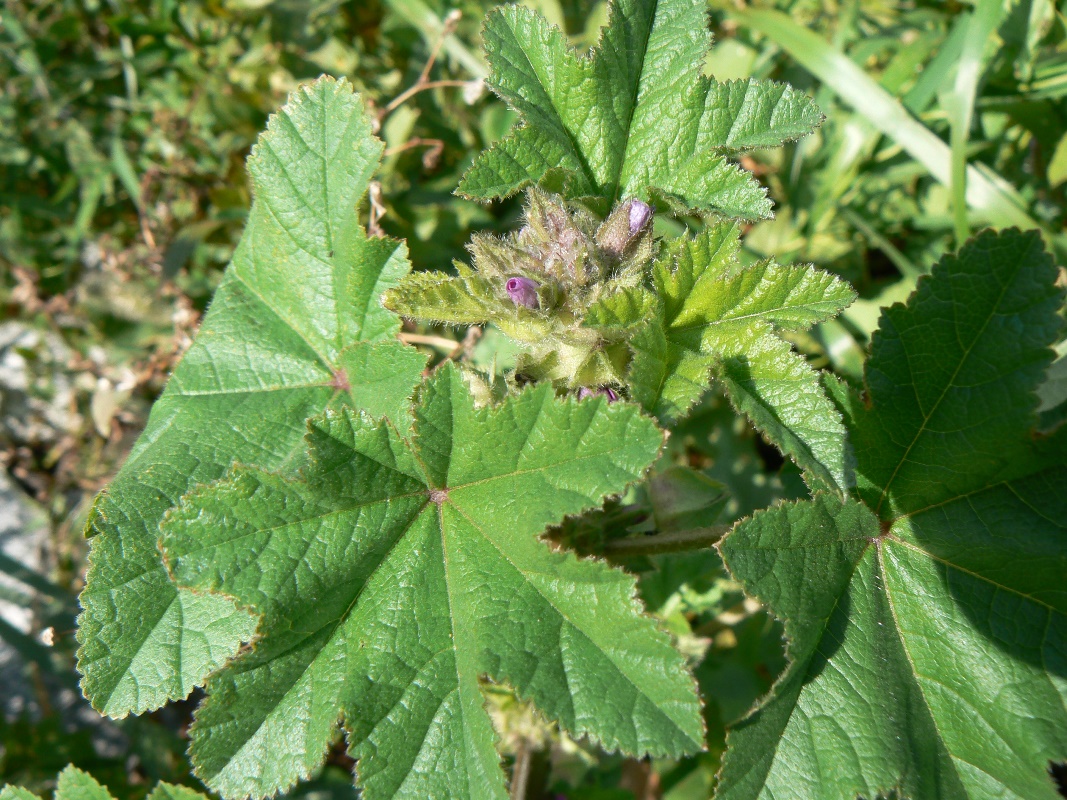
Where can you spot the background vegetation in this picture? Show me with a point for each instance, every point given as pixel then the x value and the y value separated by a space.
pixel 123 132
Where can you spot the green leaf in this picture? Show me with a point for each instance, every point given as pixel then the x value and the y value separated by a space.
pixel 434 296
pixel 635 115
pixel 74 784
pixel 717 313
pixel 989 194
pixel 927 621
pixel 952 375
pixel 666 379
pixel 399 571
pixel 783 397
pixel 295 328
pixel 618 313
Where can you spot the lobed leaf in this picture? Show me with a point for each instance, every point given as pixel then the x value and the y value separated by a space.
pixel 399 571
pixel 783 397
pixel 927 621
pixel 952 375
pixel 635 115
pixel 295 328
pixel 719 316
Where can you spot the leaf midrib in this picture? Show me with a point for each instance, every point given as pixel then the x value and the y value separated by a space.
pixel 633 104
pixel 571 142
pixel 950 384
pixel 571 623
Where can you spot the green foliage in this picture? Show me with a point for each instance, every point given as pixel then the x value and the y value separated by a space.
pixel 926 619
pixel 636 116
pixel 74 784
pixel 397 571
pixel 125 117
pixel 335 550
pixel 657 329
pixel 715 315
pixel 295 328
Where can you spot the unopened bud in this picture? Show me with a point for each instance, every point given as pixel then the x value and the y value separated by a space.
pixel 522 291
pixel 624 227
pixel 640 214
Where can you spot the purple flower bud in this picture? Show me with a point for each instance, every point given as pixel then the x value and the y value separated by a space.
pixel 522 291
pixel 605 391
pixel 640 214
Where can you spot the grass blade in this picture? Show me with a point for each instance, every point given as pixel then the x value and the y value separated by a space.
pixel 959 103
pixel 987 193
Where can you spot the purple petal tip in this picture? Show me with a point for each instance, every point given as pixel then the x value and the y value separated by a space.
pixel 605 391
pixel 522 291
pixel 640 214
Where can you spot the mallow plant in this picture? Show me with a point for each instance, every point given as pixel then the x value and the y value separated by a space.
pixel 322 530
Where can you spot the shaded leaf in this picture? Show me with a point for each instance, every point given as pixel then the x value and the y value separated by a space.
pixel 927 624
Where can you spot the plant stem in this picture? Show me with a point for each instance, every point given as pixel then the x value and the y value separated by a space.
pixel 439 342
pixel 520 772
pixel 677 542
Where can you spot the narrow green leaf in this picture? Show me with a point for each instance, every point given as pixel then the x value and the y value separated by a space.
pixel 397 572
pixel 125 172
pixel 295 327
pixel 432 29
pixel 959 103
pixel 635 115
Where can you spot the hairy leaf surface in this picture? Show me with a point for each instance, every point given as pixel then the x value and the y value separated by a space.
pixel 295 328
pixel 401 570
pixel 927 622
pixel 634 116
pixel 721 318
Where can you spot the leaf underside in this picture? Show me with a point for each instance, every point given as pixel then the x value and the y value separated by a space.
pixel 635 115
pixel 927 620
pixel 401 570
pixel 295 328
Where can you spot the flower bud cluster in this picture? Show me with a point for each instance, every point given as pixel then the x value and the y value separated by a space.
pixel 538 284
pixel 563 258
pixel 548 273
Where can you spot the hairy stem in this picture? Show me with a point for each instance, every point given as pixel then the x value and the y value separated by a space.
pixel 679 541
